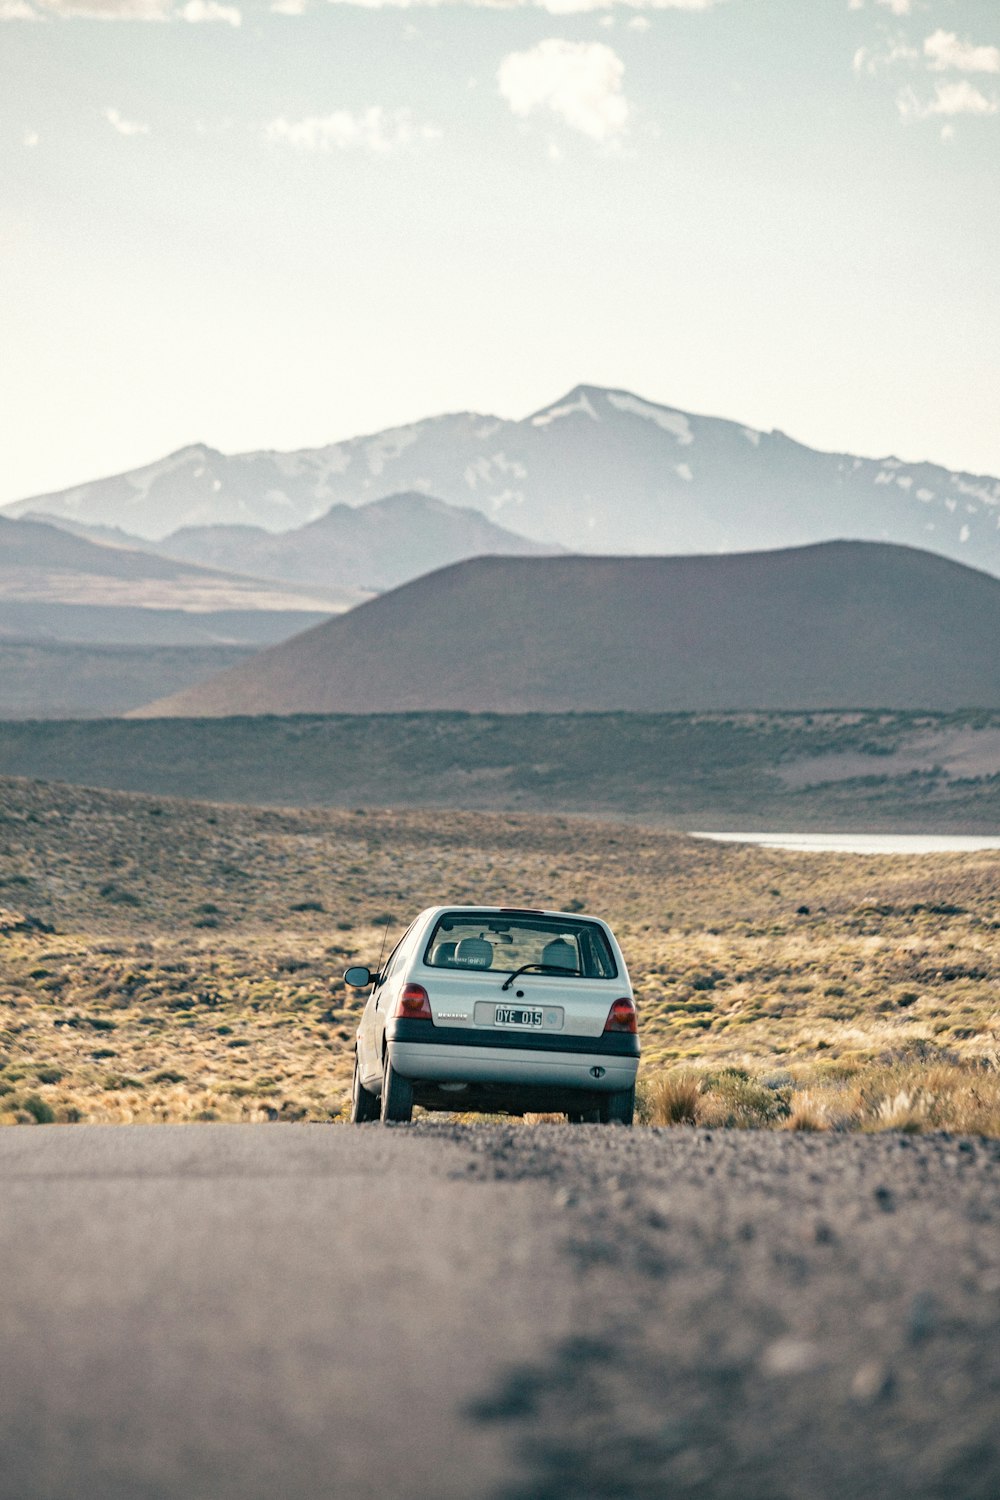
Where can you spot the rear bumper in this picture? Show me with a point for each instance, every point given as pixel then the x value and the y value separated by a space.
pixel 460 1054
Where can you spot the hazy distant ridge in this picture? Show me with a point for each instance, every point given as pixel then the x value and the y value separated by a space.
pixel 42 564
pixel 375 546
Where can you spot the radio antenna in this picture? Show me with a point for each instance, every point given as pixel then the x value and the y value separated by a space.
pixel 385 934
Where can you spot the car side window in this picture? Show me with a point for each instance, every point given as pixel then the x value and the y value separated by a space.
pixel 395 956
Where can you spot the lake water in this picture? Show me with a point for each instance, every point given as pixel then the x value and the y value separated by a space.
pixel 864 843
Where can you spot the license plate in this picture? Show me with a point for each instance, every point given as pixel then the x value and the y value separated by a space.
pixel 505 1016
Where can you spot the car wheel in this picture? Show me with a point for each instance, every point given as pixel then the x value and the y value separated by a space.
pixel 618 1108
pixel 397 1096
pixel 364 1106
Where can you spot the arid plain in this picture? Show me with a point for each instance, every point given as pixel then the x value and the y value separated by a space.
pixel 171 960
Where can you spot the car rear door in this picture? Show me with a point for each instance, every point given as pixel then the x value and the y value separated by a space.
pixel 538 1002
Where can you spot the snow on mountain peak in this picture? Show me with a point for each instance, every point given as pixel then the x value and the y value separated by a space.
pixel 196 458
pixel 671 421
pixel 577 401
pixel 191 453
pixel 389 445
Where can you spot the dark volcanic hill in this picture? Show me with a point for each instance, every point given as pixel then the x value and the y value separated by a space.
pixel 599 471
pixel 843 624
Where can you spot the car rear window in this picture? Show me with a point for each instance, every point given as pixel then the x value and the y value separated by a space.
pixel 487 940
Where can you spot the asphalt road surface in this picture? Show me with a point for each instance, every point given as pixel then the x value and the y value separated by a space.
pixel 514 1313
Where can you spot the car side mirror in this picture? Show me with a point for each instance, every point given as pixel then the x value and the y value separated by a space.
pixel 359 978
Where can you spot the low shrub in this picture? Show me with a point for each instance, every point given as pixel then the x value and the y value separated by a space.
pixel 119 895
pixel 671 1099
pixel 740 1103
pixel 43 1113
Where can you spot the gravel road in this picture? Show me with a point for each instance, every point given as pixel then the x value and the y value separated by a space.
pixel 512 1313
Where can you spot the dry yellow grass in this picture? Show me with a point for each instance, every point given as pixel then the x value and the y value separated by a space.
pixel 963 1098
pixel 194 967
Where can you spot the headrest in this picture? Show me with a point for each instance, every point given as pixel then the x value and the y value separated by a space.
pixel 560 954
pixel 474 953
pixel 444 954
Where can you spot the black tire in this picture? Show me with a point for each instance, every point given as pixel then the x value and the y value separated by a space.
pixel 618 1108
pixel 397 1096
pixel 364 1106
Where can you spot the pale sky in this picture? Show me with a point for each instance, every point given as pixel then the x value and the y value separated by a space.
pixel 274 225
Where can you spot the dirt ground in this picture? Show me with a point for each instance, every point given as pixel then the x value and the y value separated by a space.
pixel 166 960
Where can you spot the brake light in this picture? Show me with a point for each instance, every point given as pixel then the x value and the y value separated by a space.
pixel 622 1017
pixel 413 1003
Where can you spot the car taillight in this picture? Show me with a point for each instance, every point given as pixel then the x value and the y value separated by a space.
pixel 621 1017
pixel 413 1003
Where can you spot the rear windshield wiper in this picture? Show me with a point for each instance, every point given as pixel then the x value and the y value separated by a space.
pixel 541 968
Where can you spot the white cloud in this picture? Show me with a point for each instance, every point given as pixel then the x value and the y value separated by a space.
pixel 554 7
pixel 374 129
pixel 639 23
pixel 943 50
pixel 578 81
pixel 211 10
pixel 31 137
pixel 123 126
pixel 961 98
pixel 197 11
pixel 128 10
pixel 867 61
pixel 575 7
pixel 111 10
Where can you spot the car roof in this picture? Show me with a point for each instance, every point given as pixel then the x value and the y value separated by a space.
pixel 514 911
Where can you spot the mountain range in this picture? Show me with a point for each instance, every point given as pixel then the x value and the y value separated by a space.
pixel 599 471
pixel 58 586
pixel 841 624
pixel 350 547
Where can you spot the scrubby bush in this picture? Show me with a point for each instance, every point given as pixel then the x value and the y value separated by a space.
pixel 733 1100
pixel 727 1098
pixel 43 1113
pixel 671 1099
pixel 119 895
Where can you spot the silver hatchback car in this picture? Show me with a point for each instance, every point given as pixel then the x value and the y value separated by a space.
pixel 498 1009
